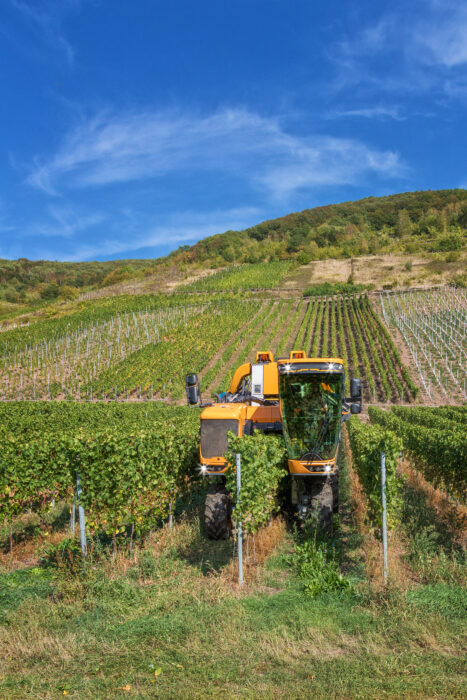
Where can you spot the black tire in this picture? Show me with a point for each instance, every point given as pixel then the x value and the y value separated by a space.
pixel 335 492
pixel 322 503
pixel 217 511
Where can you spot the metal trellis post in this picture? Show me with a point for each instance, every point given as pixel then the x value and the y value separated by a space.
pixel 82 518
pixel 384 518
pixel 239 524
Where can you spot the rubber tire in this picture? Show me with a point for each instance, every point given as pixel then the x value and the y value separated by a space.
pixel 217 511
pixel 322 503
pixel 335 492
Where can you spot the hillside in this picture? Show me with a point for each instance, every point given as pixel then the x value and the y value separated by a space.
pixel 414 223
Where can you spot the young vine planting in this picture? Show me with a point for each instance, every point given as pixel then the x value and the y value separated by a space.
pixel 433 325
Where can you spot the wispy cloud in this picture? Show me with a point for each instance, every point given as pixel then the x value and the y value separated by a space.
pixel 46 17
pixel 115 148
pixel 141 234
pixel 440 37
pixel 186 227
pixel 65 221
pixel 418 47
pixel 379 112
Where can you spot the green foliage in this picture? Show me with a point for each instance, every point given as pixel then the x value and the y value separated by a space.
pixel 262 467
pixel 238 277
pixel 66 555
pixel 331 288
pixel 316 565
pixel 48 278
pixel 437 444
pixel 118 275
pixel 410 221
pixel 50 291
pixel 128 473
pixel 453 242
pixel 367 443
pixel 304 258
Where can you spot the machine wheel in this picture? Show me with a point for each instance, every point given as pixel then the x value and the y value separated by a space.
pixel 335 492
pixel 322 502
pixel 217 511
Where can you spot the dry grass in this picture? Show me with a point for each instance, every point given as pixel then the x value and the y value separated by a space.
pixel 379 270
pixel 316 643
pixel 256 549
pixel 26 553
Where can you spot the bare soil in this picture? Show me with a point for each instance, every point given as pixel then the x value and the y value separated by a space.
pixel 379 270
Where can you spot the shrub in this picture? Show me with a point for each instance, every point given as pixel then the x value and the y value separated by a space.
pixel 303 258
pixel 317 567
pixel 50 291
pixel 262 463
pixel 453 241
pixel 330 288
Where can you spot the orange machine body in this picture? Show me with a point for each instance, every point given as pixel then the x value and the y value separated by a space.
pixel 265 413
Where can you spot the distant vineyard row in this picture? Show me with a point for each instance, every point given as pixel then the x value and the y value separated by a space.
pixel 146 354
pixel 434 327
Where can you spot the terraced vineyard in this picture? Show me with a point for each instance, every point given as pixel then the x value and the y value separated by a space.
pixel 146 352
pixel 434 326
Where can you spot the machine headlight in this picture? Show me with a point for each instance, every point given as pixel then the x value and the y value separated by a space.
pixel 328 468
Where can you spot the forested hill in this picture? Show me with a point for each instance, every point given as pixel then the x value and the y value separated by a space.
pixel 411 222
pixel 414 222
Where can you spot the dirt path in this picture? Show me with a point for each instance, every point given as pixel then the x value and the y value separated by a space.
pixel 399 571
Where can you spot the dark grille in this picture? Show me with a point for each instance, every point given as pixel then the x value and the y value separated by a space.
pixel 214 436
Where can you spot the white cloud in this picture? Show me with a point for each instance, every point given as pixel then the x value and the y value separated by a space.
pixel 412 48
pixel 379 112
pixel 110 149
pixel 441 36
pixel 185 227
pixel 330 161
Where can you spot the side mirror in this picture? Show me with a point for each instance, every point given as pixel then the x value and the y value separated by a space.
pixel 192 389
pixel 356 390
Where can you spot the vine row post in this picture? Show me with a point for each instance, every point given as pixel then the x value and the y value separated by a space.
pixel 239 523
pixel 82 518
pixel 384 518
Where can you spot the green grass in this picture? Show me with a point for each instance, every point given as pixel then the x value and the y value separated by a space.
pixel 171 625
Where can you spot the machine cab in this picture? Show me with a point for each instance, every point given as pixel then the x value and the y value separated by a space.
pixel 311 402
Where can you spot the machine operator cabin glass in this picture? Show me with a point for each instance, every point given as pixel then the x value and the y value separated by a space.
pixel 311 414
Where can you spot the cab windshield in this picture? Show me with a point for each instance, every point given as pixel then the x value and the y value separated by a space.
pixel 311 414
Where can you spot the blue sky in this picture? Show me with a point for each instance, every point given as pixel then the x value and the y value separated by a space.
pixel 130 128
